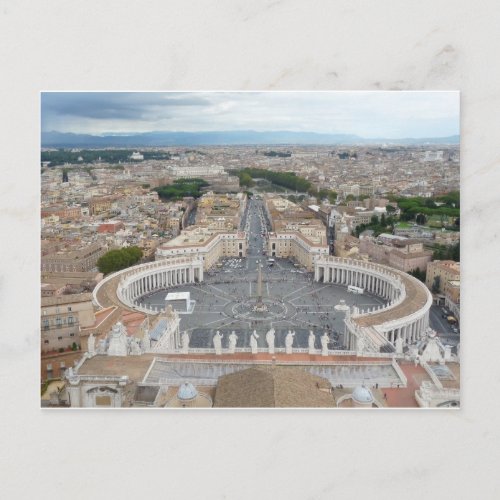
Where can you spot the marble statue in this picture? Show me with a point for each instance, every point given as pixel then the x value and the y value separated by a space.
pixel 324 344
pixel 253 342
pixel 311 341
pixel 232 342
pixel 91 345
pixel 289 342
pixel 185 343
pixel 101 347
pixel 135 348
pixel 399 345
pixel 118 341
pixel 270 340
pixel 217 340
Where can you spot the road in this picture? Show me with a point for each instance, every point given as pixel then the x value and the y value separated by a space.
pixel 442 327
pixel 255 224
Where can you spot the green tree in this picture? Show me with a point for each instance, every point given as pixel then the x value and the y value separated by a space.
pixel 181 188
pixel 332 197
pixel 115 260
pixel 418 273
pixel 246 180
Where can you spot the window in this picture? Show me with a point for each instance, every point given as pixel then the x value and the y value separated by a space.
pixel 70 320
pixel 45 341
pixel 71 334
pixel 69 308
pixel 59 338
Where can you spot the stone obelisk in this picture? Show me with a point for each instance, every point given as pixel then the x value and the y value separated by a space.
pixel 259 305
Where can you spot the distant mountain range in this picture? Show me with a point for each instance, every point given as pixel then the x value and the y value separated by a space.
pixel 240 137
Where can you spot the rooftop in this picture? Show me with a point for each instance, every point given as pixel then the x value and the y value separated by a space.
pixel 273 387
pixel 66 299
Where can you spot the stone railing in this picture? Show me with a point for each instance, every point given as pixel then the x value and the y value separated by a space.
pixel 281 350
pixel 381 362
pixel 400 373
pixel 432 375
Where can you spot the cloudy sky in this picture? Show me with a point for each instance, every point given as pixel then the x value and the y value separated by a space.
pixel 367 114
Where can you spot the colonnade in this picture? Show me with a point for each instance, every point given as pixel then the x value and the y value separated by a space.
pixel 410 332
pixel 384 325
pixel 146 278
pixel 156 279
pixel 372 281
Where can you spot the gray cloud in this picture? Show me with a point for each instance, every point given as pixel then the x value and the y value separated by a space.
pixel 116 105
pixel 369 114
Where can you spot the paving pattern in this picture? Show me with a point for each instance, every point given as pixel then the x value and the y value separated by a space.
pixel 224 302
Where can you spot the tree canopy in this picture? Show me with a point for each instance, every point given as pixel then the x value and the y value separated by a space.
pixel 443 252
pixel 287 180
pixel 181 188
pixel 412 207
pixel 115 260
pixel 62 156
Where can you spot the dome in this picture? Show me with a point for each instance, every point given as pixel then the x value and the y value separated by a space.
pixel 187 392
pixel 362 395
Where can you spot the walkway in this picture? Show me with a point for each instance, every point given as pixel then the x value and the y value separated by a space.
pixel 405 397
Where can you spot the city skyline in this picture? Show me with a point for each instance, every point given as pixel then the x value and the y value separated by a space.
pixel 369 115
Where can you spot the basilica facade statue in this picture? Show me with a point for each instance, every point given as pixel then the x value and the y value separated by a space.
pixel 233 338
pixel 270 340
pixel 289 342
pixel 217 340
pixel 253 342
pixel 324 344
pixel 311 341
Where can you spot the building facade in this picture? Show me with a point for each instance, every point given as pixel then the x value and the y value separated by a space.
pixel 205 244
pixel 80 259
pixel 62 318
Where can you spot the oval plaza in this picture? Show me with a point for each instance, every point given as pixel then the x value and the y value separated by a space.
pixel 219 302
pixel 394 304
